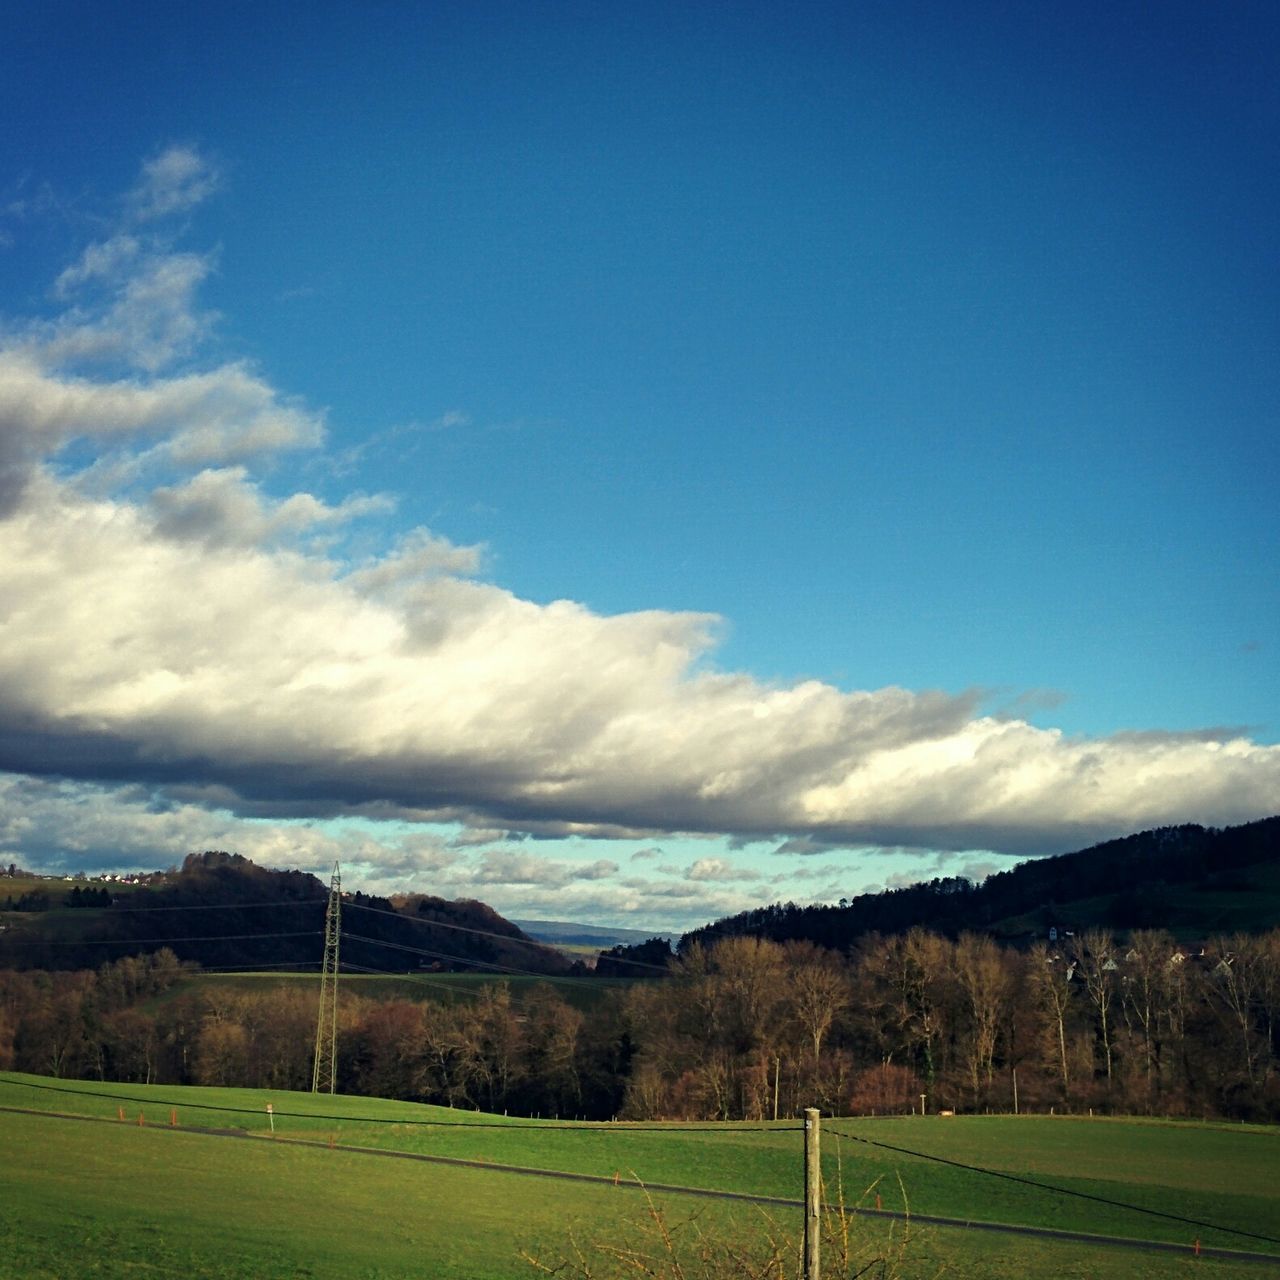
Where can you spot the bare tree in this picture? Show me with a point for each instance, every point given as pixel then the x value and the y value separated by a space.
pixel 985 979
pixel 1095 957
pixel 1050 977
pixel 1145 993
pixel 903 981
pixel 1234 987
pixel 818 991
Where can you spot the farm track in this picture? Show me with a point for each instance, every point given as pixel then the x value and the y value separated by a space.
pixel 1005 1228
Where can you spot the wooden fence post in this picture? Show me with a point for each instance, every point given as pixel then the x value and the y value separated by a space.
pixel 812 1195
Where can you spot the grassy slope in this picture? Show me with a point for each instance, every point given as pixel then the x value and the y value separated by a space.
pixel 446 988
pixel 1191 913
pixel 118 1201
pixel 68 1180
pixel 58 888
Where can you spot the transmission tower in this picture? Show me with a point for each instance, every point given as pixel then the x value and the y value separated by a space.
pixel 324 1073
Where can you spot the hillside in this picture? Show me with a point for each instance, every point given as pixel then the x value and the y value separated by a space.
pixel 223 911
pixel 474 1192
pixel 1194 881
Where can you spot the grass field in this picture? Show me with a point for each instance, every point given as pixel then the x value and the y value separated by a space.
pixel 116 1199
pixel 58 888
pixel 1191 912
pixel 445 988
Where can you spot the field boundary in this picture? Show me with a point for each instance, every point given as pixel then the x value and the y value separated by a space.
pixel 706 1193
pixel 1179 1218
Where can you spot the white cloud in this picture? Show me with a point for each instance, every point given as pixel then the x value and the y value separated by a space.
pixel 719 869
pixel 175 180
pixel 106 259
pixel 419 555
pixel 148 322
pixel 190 640
pixel 601 869
pixel 508 867
pixel 269 674
pixel 450 418
pixel 225 415
pixel 223 508
pixel 478 837
pixel 77 826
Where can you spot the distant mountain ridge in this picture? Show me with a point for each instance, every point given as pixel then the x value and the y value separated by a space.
pixel 571 933
pixel 1192 880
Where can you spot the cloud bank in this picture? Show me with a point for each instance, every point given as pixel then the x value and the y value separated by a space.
pixel 170 629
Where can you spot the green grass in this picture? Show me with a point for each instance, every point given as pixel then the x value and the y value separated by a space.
pixel 1190 912
pixel 123 1201
pixel 58 888
pixel 186 1203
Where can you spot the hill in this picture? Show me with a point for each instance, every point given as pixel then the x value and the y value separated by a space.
pixel 1194 881
pixel 474 1190
pixel 221 910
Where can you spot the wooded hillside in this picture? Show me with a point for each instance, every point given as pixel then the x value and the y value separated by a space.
pixel 222 911
pixel 1193 881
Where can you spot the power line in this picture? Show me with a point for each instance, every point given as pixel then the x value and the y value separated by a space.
pixel 116 908
pixel 143 942
pixel 252 968
pixel 457 988
pixel 587 983
pixel 349 967
pixel 501 937
pixel 460 928
pixel 480 964
pixel 519 996
pixel 1062 1191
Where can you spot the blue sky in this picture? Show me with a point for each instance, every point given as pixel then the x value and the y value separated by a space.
pixel 846 437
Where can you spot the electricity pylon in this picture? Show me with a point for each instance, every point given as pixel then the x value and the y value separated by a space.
pixel 325 1072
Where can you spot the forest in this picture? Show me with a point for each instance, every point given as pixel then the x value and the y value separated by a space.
pixel 1190 879
pixel 739 1028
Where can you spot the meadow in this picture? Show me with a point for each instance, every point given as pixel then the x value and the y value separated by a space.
pixel 585 994
pixel 57 888
pixel 116 1198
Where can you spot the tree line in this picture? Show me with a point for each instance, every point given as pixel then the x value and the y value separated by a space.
pixel 39 900
pixel 743 1028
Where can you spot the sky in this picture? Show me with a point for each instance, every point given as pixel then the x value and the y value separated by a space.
pixel 629 464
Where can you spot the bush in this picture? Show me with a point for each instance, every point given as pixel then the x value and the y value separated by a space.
pixel 885 1088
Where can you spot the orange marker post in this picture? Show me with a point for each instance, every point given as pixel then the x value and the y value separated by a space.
pixel 141 1120
pixel 173 1118
pixel 120 1112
